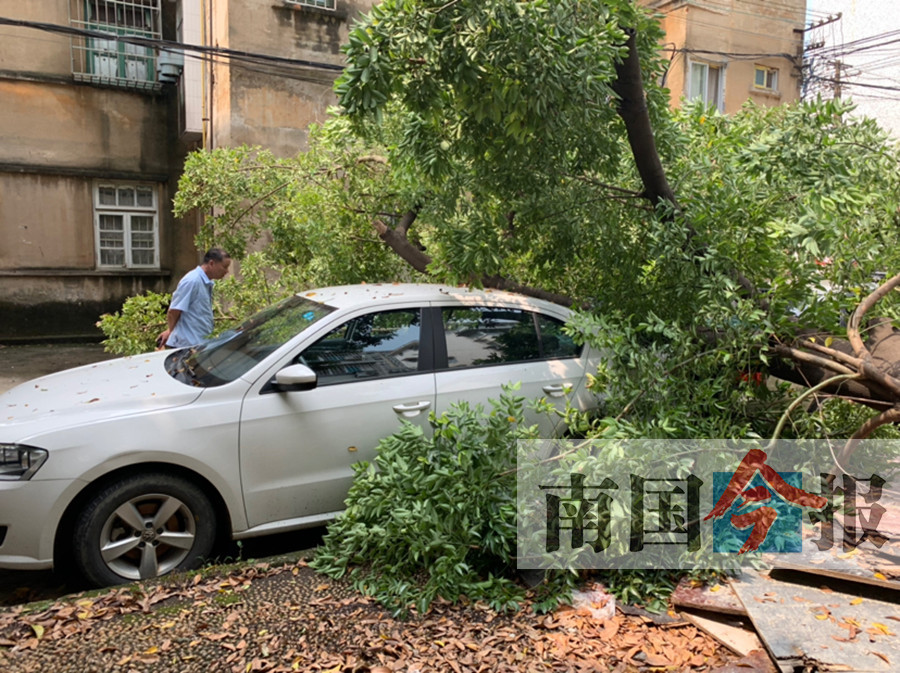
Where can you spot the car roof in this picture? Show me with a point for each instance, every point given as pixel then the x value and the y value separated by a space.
pixel 365 294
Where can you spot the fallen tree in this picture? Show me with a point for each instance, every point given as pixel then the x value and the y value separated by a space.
pixel 527 146
pixel 852 369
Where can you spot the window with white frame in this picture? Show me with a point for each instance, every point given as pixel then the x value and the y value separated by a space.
pixel 126 223
pixel 765 78
pixel 706 84
pixel 320 4
pixel 107 60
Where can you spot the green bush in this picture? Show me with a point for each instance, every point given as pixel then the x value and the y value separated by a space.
pixel 134 328
pixel 435 517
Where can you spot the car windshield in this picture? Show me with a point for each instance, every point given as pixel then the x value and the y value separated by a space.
pixel 232 354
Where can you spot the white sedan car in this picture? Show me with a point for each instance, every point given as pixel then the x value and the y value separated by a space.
pixel 133 468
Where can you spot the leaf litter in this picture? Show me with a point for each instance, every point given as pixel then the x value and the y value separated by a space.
pixel 282 619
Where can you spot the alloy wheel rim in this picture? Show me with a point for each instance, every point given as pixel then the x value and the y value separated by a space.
pixel 147 536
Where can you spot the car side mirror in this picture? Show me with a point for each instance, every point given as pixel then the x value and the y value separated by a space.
pixel 295 377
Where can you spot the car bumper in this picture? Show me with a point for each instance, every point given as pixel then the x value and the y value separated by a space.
pixel 28 513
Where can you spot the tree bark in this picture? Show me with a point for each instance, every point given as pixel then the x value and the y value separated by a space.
pixel 398 241
pixel 629 87
pixel 397 238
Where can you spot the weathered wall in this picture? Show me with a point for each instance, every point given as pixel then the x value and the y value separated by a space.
pixel 49 287
pixel 29 51
pixel 57 138
pixel 751 27
pixel 272 105
pixel 674 24
pixel 40 222
pixel 60 305
pixel 48 125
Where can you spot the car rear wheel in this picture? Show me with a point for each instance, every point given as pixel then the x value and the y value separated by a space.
pixel 142 527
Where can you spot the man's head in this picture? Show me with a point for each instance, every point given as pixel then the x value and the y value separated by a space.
pixel 215 263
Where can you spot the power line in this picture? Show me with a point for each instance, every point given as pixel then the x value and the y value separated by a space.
pixel 172 46
pixel 738 56
pixel 846 83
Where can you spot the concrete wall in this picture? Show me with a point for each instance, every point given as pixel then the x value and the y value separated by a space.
pixel 48 124
pixel 272 105
pixel 58 136
pixel 717 33
pixel 29 51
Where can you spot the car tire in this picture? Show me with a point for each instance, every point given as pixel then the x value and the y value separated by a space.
pixel 143 526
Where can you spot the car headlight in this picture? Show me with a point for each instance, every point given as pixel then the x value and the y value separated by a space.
pixel 19 463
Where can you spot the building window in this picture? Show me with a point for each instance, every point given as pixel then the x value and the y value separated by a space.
pixel 706 84
pixel 126 225
pixel 107 60
pixel 766 78
pixel 319 4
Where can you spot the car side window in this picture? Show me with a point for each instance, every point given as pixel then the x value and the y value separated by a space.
pixel 478 336
pixel 555 343
pixel 374 345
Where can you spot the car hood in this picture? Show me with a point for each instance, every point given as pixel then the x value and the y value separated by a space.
pixel 90 393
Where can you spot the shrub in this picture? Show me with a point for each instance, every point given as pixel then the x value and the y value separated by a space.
pixel 435 517
pixel 134 328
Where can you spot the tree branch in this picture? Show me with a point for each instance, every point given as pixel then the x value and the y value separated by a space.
pixel 500 283
pixel 867 303
pixel 797 355
pixel 397 240
pixel 604 185
pixel 891 415
pixel 629 87
pixel 253 205
pixel 372 159
pixel 406 221
pixel 837 355
pixel 632 109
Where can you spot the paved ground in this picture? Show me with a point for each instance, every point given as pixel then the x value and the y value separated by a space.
pixel 21 363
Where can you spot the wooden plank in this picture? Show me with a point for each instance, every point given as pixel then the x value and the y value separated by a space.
pixel 756 662
pixel 735 633
pixel 849 573
pixel 809 625
pixel 867 564
pixel 717 598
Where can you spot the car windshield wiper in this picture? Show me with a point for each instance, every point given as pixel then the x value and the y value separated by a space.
pixel 182 367
pixel 189 361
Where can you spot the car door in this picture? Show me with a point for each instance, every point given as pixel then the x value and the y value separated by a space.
pixel 374 371
pixel 485 347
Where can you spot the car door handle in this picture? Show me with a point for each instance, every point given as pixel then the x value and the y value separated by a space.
pixel 411 409
pixel 556 389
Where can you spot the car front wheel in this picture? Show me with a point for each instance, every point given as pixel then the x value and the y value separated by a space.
pixel 142 527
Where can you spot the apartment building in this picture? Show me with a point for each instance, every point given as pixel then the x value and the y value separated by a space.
pixel 99 106
pixel 726 52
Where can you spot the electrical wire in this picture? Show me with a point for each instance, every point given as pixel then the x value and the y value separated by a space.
pixel 172 46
